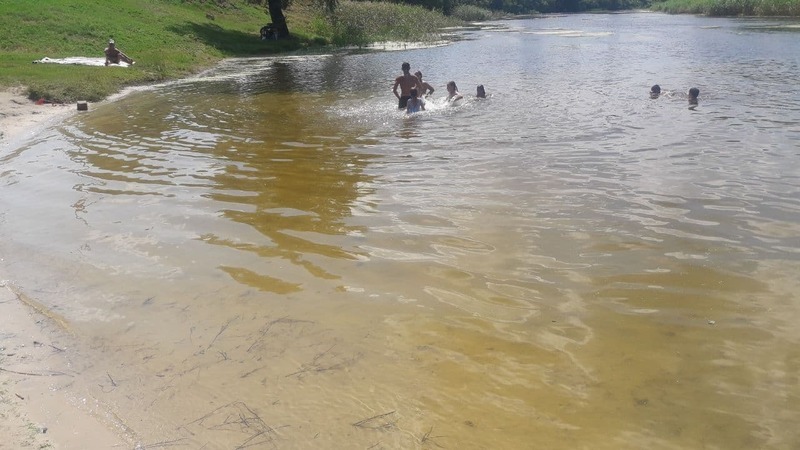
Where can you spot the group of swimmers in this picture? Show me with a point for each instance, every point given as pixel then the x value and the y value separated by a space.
pixel 413 90
pixel 655 92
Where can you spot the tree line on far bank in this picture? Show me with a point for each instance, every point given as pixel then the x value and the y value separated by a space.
pixel 476 10
pixel 345 20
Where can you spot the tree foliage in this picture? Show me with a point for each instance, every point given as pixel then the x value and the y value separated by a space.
pixel 276 8
pixel 530 6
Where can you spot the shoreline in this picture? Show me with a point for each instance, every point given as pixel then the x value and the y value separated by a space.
pixel 38 408
pixel 21 118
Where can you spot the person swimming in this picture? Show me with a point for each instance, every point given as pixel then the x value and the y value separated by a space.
pixel 452 92
pixel 481 92
pixel 693 94
pixel 655 91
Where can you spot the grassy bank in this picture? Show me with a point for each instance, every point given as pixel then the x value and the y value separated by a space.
pixel 169 38
pixel 730 7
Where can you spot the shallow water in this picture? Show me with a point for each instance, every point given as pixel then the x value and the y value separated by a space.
pixel 271 255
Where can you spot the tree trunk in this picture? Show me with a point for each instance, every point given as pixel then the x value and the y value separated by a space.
pixel 278 19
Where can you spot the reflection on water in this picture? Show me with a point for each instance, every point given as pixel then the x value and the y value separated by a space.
pixel 271 255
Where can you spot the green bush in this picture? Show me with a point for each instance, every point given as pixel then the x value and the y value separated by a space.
pixel 362 23
pixel 472 13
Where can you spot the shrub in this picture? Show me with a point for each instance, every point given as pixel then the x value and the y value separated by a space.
pixel 472 13
pixel 362 23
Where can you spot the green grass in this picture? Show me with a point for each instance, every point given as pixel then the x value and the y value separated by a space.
pixel 168 39
pixel 173 38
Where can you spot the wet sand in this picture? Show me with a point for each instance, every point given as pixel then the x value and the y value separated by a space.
pixel 37 407
pixel 21 118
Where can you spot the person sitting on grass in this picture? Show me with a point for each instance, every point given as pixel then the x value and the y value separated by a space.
pixel 115 56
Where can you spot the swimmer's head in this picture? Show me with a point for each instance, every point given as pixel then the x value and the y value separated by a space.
pixel 694 92
pixel 418 74
pixel 414 93
pixel 655 91
pixel 481 91
pixel 405 67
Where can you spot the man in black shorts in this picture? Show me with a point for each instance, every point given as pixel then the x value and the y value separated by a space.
pixel 406 81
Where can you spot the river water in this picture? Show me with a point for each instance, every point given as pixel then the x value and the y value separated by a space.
pixel 271 255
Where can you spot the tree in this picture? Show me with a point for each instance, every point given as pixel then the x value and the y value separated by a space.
pixel 276 7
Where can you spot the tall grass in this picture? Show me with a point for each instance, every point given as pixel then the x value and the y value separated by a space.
pixel 723 8
pixel 362 23
pixel 472 13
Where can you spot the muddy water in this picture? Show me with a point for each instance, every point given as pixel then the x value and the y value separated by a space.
pixel 272 256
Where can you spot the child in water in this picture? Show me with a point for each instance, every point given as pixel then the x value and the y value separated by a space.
pixel 415 103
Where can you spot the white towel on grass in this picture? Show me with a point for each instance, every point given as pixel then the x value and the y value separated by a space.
pixel 79 61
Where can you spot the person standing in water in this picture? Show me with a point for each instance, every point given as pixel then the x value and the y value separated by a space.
pixel 415 103
pixel 481 91
pixel 405 82
pixel 425 89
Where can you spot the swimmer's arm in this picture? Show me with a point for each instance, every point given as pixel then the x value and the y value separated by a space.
pixel 394 89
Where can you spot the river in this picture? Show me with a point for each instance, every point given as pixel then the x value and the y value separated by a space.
pixel 271 255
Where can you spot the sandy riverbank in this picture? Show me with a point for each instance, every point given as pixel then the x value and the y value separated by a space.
pixel 37 408
pixel 21 118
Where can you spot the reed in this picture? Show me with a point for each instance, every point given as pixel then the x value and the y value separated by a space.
pixel 472 13
pixel 723 8
pixel 363 23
